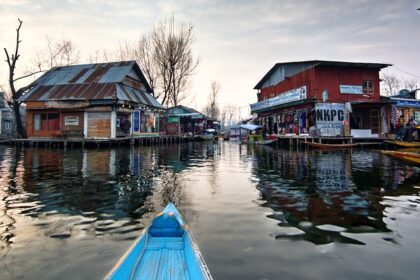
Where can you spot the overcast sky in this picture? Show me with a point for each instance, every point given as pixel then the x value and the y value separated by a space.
pixel 237 42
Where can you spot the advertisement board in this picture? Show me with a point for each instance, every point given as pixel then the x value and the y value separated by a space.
pixel 330 118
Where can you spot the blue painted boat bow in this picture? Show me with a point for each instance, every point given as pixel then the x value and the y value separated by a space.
pixel 165 250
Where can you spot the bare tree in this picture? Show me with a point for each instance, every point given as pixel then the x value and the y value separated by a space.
pixel 100 56
pixel 391 83
pixel 172 54
pixel 56 53
pixel 165 57
pixel 410 83
pixel 142 52
pixel 212 108
pixel 15 94
pixel 230 114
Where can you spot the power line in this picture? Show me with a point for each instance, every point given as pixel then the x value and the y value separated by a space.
pixel 418 77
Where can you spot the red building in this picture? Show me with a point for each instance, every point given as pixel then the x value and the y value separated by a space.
pixel 293 96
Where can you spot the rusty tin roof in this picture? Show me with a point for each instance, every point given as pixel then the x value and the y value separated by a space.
pixel 100 81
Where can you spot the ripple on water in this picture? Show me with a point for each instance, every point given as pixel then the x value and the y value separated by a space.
pixel 264 211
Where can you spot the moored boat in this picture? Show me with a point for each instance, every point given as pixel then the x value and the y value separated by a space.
pixel 263 142
pixel 330 146
pixel 407 156
pixel 206 137
pixel 405 144
pixel 165 250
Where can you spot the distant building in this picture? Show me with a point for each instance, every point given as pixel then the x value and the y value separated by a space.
pixel 187 121
pixel 294 96
pixel 407 103
pixel 105 100
pixel 7 120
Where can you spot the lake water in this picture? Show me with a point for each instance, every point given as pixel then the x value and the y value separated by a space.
pixel 256 212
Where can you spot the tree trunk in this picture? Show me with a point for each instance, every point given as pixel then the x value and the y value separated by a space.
pixel 20 129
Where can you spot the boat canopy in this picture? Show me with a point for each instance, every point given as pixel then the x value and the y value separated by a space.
pixel 250 126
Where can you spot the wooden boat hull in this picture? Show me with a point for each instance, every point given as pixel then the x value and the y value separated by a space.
pixel 403 143
pixel 264 142
pixel 406 156
pixel 165 250
pixel 206 137
pixel 329 146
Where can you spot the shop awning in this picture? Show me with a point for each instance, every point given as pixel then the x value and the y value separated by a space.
pixel 250 126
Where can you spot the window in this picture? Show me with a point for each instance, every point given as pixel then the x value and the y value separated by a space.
pixel 45 121
pixel 367 87
pixel 37 122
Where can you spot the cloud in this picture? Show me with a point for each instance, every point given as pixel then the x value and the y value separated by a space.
pixel 237 41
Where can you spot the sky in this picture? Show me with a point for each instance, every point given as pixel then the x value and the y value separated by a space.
pixel 237 42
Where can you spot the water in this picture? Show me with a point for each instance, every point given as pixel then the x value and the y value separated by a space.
pixel 256 212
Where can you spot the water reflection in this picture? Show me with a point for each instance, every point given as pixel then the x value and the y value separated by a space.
pixel 317 195
pixel 103 191
pixel 81 208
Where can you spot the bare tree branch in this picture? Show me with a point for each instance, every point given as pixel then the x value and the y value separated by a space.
pixel 391 83
pixel 212 109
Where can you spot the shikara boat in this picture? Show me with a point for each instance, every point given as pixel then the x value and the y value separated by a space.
pixel 165 250
pixel 206 137
pixel 263 142
pixel 407 156
pixel 329 146
pixel 403 143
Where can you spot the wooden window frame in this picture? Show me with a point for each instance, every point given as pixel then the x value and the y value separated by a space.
pixel 368 87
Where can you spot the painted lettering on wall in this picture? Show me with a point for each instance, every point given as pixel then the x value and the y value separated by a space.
pixel 330 115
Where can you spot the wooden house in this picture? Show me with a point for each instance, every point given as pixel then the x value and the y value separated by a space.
pixel 183 120
pixel 294 96
pixel 98 101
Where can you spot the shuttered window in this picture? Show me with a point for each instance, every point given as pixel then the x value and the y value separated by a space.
pixel 46 121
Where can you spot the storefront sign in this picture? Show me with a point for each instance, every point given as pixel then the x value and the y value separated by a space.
pixel 285 97
pixel 71 120
pixel 173 119
pixel 407 103
pixel 351 89
pixel 330 118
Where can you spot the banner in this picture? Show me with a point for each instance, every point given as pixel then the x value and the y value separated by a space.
pixel 283 98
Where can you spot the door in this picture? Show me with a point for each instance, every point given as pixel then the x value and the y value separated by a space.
pixel 375 121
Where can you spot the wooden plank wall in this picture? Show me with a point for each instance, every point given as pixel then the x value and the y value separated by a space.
pixel 99 125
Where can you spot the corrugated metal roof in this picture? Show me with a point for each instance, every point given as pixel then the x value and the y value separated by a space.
pixel 101 81
pixel 322 63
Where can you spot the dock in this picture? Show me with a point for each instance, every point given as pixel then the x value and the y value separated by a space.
pixel 148 140
pixel 296 141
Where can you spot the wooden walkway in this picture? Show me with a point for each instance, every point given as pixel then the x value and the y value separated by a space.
pixel 87 142
pixel 296 141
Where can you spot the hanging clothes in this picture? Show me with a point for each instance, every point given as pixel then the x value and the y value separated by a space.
pixel 303 120
pixel 307 120
pixel 395 116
